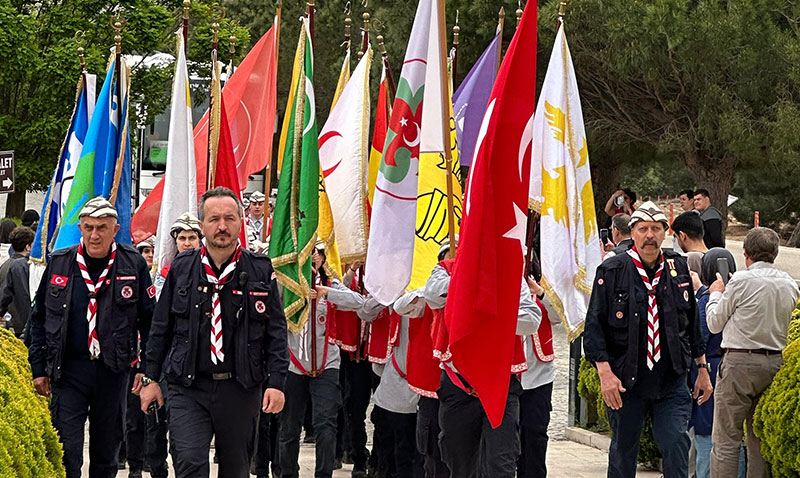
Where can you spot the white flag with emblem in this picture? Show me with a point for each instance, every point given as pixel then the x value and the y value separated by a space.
pixel 343 161
pixel 561 191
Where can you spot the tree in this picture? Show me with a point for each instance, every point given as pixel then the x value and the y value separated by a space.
pixel 711 82
pixel 40 68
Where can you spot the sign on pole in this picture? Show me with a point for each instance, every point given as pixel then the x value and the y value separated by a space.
pixel 6 172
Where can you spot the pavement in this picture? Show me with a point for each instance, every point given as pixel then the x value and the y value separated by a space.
pixel 565 459
pixel 788 259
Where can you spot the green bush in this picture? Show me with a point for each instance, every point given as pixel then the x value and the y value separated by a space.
pixel 29 446
pixel 589 389
pixel 775 420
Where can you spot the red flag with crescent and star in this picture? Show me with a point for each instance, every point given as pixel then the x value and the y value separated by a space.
pixel 483 299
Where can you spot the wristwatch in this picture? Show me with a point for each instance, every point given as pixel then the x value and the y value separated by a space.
pixel 705 366
pixel 147 380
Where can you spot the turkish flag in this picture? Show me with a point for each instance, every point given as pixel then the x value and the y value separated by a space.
pixel 225 173
pixel 483 299
pixel 250 97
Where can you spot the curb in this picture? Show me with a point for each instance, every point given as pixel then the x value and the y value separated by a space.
pixel 588 438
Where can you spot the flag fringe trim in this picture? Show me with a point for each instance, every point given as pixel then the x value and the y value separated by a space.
pixel 555 301
pixel 123 135
pixel 43 259
pixel 295 306
pixel 363 179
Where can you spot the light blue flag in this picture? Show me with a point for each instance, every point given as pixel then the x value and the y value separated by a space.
pixel 123 202
pixel 56 196
pixel 102 143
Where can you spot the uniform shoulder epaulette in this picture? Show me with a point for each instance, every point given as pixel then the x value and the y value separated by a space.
pixel 127 248
pixel 63 251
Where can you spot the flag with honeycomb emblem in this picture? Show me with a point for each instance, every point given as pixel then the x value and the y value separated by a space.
pixel 432 226
pixel 561 191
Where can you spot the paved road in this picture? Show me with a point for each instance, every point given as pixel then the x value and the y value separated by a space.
pixel 788 258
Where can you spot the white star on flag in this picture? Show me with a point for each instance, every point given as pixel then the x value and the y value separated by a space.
pixel 520 228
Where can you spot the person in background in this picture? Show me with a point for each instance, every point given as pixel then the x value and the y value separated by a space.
pixel 537 390
pixel 686 198
pixel 147 249
pixel 703 415
pixel 15 296
pixel 753 312
pixel 6 226
pixel 622 201
pixel 620 234
pixel 30 218
pixel 187 234
pixel 712 219
pixel 255 218
pixel 688 232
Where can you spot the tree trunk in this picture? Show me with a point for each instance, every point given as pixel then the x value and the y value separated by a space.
pixel 794 240
pixel 15 204
pixel 715 175
pixel 606 179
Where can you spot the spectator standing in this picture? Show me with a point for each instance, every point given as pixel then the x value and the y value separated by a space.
pixel 641 333
pixel 622 201
pixel 688 231
pixel 620 234
pixel 753 313
pixel 686 198
pixel 6 226
pixel 712 219
pixel 15 296
pixel 703 415
pixel 30 218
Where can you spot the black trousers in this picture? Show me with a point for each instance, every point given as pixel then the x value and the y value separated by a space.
pixel 219 408
pixel 428 438
pixel 145 437
pixel 398 449
pixel 470 446
pixel 357 389
pixel 325 396
pixel 535 406
pixel 266 444
pixel 88 389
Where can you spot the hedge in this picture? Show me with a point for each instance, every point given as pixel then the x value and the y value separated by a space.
pixel 589 389
pixel 29 446
pixel 775 420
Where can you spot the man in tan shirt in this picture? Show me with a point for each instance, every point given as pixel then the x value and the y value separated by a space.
pixel 753 314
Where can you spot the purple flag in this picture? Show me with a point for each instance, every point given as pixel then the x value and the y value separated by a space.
pixel 471 98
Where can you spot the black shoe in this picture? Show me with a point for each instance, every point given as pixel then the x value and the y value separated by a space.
pixel 146 467
pixel 337 464
pixel 359 474
pixel 121 465
pixel 135 474
pixel 347 459
pixel 308 438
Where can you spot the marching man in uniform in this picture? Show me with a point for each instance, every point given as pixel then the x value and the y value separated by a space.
pixel 218 333
pixel 93 299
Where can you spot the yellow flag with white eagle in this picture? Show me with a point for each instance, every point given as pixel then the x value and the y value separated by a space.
pixel 561 191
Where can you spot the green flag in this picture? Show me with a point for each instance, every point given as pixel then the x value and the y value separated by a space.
pixel 294 225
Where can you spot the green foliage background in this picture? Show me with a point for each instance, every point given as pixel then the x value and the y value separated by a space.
pixel 776 414
pixel 29 446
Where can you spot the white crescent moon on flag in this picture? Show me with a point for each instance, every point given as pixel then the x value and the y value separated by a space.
pixel 312 105
pixel 413 144
pixel 524 141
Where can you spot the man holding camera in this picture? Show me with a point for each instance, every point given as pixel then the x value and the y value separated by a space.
pixel 753 312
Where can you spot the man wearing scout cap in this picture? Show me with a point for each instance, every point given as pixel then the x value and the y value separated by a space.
pixel 255 219
pixel 641 333
pixel 147 249
pixel 93 299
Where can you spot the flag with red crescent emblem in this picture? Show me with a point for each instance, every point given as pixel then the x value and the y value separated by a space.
pixel 483 299
pixel 391 238
pixel 343 160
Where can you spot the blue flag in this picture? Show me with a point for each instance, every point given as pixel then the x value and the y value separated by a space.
pixel 101 169
pixel 58 191
pixel 471 99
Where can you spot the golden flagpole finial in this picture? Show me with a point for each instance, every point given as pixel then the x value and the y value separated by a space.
pixel 186 4
pixel 562 9
pixel 519 11
pixel 365 32
pixel 232 48
pixel 456 31
pixel 215 29
pixel 348 22
pixel 79 36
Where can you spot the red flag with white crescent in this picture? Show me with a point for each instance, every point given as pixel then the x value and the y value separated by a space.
pixel 483 299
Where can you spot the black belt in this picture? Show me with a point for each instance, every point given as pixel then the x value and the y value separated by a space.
pixel 755 351
pixel 221 376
